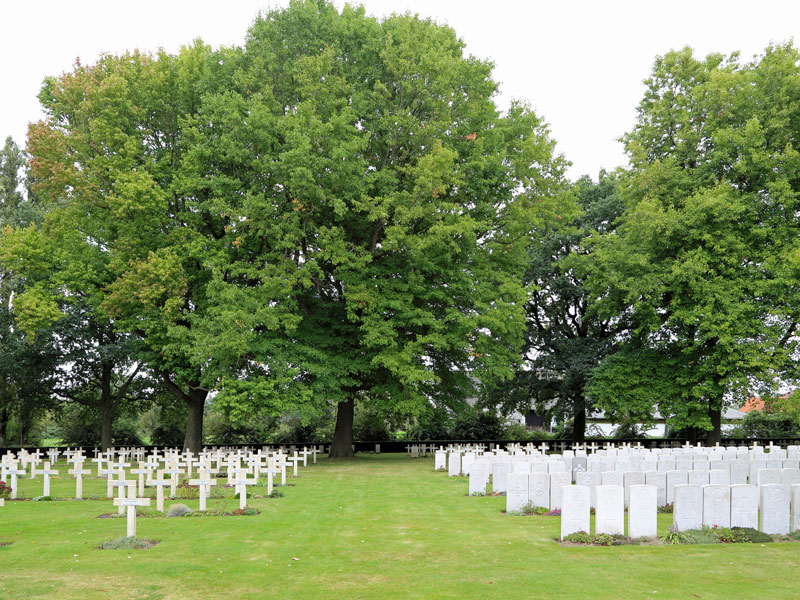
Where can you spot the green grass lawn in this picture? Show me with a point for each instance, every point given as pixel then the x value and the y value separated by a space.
pixel 383 526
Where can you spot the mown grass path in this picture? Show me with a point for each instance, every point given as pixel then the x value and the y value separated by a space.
pixel 375 527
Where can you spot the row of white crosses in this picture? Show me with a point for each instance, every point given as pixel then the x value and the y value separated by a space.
pixel 112 465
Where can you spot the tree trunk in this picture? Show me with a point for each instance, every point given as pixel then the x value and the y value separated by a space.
pixel 106 408
pixel 715 435
pixel 195 403
pixel 24 426
pixel 579 422
pixel 106 424
pixel 691 435
pixel 3 425
pixel 342 446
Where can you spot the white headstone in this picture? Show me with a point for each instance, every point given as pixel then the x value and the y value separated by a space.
pixel 612 478
pixel 687 513
pixel 744 505
pixel 454 464
pixel 642 511
pixel 610 510
pixel 539 489
pixel 795 490
pixel 500 471
pixel 698 477
pixel 440 460
pixel 717 505
pixel 466 462
pixel 632 478
pixel 478 474
pixel 738 470
pixel 766 476
pixel 575 509
pixel 675 478
pixel 790 476
pixel 557 483
pixel 775 511
pixel 517 494
pixel 719 477
pixel 590 480
pixel 658 479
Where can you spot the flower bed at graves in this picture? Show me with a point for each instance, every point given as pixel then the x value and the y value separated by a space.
pixel 581 538
pixel 725 535
pixel 150 513
pixel 128 543
pixel 536 511
pixel 706 535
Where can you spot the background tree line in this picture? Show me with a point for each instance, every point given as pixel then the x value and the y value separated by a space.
pixel 335 224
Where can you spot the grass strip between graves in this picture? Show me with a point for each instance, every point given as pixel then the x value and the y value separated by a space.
pixel 375 527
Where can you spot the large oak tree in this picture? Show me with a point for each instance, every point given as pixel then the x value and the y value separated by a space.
pixel 335 213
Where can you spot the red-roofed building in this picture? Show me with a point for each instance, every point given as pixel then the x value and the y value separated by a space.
pixel 757 404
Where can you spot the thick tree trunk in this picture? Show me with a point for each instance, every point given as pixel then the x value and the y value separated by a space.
pixel 342 446
pixel 691 435
pixel 715 435
pixel 106 409
pixel 106 424
pixel 579 422
pixel 195 403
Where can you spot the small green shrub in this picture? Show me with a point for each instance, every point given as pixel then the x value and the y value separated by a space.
pixel 741 535
pixel 184 491
pixel 276 494
pixel 248 511
pixel 530 509
pixel 42 499
pixel 178 510
pixel 701 536
pixel 673 536
pixel 478 493
pixel 604 539
pixel 579 537
pixel 667 508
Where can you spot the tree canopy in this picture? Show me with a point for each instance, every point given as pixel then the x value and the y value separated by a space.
pixel 335 212
pixel 701 255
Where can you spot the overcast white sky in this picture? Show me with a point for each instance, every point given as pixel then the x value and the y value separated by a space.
pixel 579 63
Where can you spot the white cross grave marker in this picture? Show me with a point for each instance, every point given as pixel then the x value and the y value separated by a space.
pixel 204 483
pixel 131 502
pixel 141 472
pixel 79 472
pixel 14 472
pixel 159 482
pixel 47 472
pixel 241 489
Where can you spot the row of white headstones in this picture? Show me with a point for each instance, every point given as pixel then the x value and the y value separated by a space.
pixel 113 464
pixel 708 486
